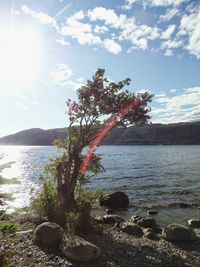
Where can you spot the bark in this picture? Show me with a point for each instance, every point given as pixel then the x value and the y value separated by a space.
pixel 66 186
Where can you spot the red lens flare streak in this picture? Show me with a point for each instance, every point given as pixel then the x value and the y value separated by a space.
pixel 107 127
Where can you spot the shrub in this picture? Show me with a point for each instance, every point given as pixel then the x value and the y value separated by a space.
pixel 45 203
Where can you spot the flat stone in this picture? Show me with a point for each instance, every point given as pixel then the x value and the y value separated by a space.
pixel 77 249
pixel 25 232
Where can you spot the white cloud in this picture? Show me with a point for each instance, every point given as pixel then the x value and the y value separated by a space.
pixel 173 90
pixel 128 4
pixel 80 31
pixel 78 16
pixel 182 107
pixel 83 33
pixel 157 3
pixel 162 94
pixel 171 44
pixel 164 3
pixel 170 13
pixel 168 53
pixel 190 27
pixel 62 41
pixel 62 76
pixel 112 46
pixel 138 34
pixel 43 18
pixel 107 15
pixel 168 32
pixel 129 29
pixel 101 29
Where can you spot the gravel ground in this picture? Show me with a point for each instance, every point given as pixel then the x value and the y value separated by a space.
pixel 118 250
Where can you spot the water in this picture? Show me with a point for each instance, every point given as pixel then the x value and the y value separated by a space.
pixel 161 177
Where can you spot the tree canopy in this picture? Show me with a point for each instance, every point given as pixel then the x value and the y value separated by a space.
pixel 99 103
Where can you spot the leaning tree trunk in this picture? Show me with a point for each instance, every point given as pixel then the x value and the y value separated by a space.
pixel 66 186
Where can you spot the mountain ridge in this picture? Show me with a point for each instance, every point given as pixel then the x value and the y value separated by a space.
pixel 150 134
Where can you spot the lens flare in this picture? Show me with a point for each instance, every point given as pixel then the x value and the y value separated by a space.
pixel 107 127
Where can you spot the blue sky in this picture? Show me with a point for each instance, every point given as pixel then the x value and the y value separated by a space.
pixel 50 48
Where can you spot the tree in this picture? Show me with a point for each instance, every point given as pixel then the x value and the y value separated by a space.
pixel 100 100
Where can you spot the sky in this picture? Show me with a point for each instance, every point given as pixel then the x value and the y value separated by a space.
pixel 50 48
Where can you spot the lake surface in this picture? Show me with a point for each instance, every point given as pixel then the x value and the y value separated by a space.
pixel 161 177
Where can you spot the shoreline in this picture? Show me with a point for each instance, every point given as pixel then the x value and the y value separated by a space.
pixel 118 249
pixel 175 212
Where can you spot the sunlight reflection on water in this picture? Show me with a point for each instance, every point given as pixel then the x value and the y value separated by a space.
pixel 18 195
pixel 152 177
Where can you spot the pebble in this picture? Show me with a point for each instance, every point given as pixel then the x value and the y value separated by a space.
pixel 116 253
pixel 29 254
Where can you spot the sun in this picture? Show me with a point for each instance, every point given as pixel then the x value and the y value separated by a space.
pixel 20 57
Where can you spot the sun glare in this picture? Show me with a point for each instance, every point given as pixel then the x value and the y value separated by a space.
pixel 19 57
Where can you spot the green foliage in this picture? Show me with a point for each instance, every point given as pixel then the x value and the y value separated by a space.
pixel 80 220
pixel 45 203
pixel 8 227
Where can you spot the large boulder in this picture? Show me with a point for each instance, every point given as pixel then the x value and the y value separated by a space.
pixel 77 249
pixel 48 234
pixel 116 200
pixel 194 223
pixel 145 222
pixel 131 229
pixel 178 233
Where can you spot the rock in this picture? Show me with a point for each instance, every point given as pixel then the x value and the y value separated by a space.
pixel 112 219
pixel 98 219
pixel 145 222
pixel 132 229
pixel 149 233
pixel 116 200
pixel 194 223
pixel 48 234
pixel 109 211
pixel 25 232
pixel 178 233
pixel 77 249
pixel 30 254
pixel 134 218
pixel 152 212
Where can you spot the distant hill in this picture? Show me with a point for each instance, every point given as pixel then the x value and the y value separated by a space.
pixel 153 134
pixel 34 137
pixel 177 133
